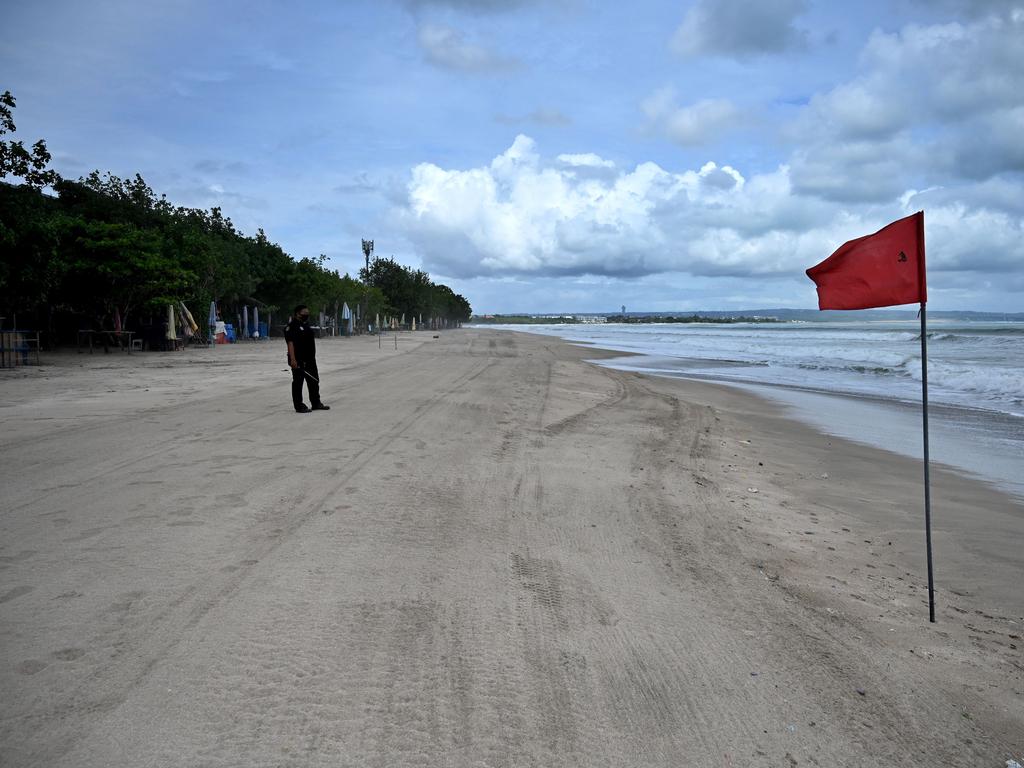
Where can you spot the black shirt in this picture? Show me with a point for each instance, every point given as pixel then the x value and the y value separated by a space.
pixel 302 337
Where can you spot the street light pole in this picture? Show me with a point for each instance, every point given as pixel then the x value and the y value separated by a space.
pixel 367 250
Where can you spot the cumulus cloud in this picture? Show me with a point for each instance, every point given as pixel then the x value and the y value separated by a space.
pixel 521 215
pixel 690 125
pixel 942 72
pixel 586 160
pixel 447 48
pixel 857 171
pixel 737 28
pixel 979 240
pixel 930 104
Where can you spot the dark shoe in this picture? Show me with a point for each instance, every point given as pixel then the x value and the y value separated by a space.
pixel 321 407
pixel 302 408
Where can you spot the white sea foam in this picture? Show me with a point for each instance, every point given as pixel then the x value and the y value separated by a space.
pixel 970 364
pixel 975 377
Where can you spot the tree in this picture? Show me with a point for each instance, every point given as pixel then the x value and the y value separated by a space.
pixel 107 244
pixel 29 241
pixel 17 161
pixel 117 265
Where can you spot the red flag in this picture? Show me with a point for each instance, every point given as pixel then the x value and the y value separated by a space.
pixel 879 270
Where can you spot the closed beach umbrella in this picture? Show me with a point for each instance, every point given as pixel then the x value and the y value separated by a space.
pixel 255 322
pixel 172 332
pixel 376 322
pixel 188 317
pixel 185 330
pixel 414 323
pixel 245 321
pixel 403 319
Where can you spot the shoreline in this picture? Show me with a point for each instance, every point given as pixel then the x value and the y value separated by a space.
pixel 488 547
pixel 965 440
pixel 981 443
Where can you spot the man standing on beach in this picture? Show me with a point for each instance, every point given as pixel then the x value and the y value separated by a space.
pixel 302 360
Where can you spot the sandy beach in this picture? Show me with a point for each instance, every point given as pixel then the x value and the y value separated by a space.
pixel 490 552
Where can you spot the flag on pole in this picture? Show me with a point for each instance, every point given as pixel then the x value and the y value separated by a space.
pixel 880 270
pixel 884 270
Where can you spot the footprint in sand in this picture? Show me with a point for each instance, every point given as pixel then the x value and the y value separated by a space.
pixel 30 666
pixel 13 593
pixel 68 654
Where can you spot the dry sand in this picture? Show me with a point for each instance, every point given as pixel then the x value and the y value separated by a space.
pixel 488 553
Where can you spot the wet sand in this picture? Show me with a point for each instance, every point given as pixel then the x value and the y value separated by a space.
pixel 488 553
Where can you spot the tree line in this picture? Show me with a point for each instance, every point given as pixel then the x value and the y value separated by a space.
pixel 103 247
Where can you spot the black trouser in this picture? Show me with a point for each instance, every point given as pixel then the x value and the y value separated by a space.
pixel 306 372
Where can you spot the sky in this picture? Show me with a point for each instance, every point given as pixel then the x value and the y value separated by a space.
pixel 557 155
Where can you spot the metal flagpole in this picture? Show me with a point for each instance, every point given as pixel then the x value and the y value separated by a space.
pixel 927 479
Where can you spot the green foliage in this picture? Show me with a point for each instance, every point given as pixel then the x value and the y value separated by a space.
pixel 107 243
pixel 29 242
pixel 15 160
pixel 411 292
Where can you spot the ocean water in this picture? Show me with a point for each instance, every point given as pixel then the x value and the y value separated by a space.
pixel 858 380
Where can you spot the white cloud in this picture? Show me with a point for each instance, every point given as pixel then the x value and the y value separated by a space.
pixel 447 48
pixel 586 160
pixel 701 121
pixel 523 216
pixel 739 28
pixel 931 105
pixel 691 125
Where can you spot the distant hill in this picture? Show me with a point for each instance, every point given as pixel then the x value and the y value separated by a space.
pixel 784 314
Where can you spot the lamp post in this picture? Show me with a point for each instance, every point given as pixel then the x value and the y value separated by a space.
pixel 367 250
